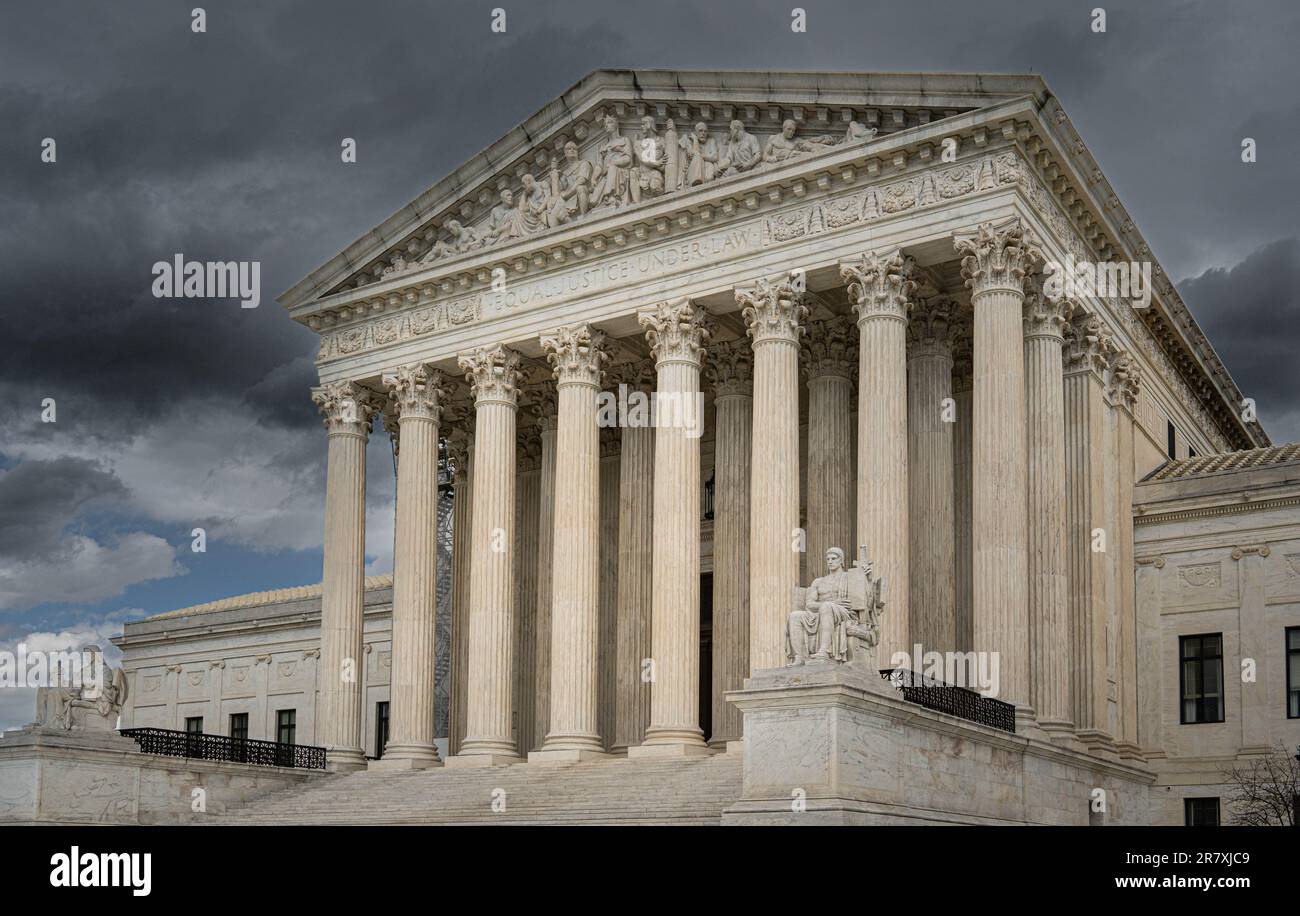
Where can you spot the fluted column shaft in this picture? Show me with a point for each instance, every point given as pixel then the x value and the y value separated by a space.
pixel 575 589
pixel 545 556
pixel 527 507
pixel 1048 561
pixel 774 313
pixel 460 448
pixel 880 287
pixel 932 553
pixel 729 371
pixel 348 409
pixel 963 542
pixel 416 396
pixel 493 374
pixel 607 654
pixel 677 337
pixel 635 562
pixel 829 360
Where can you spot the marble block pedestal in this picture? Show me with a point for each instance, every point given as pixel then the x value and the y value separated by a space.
pixel 827 743
pixel 92 775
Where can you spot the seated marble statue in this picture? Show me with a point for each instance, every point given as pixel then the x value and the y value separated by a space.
pixel 95 704
pixel 837 617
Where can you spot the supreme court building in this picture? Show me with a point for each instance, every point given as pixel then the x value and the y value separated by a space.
pixel 831 288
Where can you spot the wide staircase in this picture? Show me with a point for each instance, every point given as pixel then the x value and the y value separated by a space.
pixel 693 791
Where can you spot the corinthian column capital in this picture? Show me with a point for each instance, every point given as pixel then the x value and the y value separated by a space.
pixel 996 256
pixel 880 284
pixel 1044 316
pixel 493 374
pixel 577 353
pixel 731 369
pixel 1125 379
pixel 773 309
pixel 416 391
pixel 1088 345
pixel 347 407
pixel 676 332
pixel 830 348
pixel 935 327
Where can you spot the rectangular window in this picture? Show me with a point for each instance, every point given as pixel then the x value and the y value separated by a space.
pixel 1171 440
pixel 194 725
pixel 1201 678
pixel 239 725
pixel 381 728
pixel 286 726
pixel 1201 812
pixel 1293 672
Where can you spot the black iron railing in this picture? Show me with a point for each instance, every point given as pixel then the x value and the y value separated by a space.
pixel 955 701
pixel 168 743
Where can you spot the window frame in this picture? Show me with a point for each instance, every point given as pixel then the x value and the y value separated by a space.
pixel 1292 685
pixel 1201 696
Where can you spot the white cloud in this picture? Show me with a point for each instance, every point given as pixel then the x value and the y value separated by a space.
pixel 85 570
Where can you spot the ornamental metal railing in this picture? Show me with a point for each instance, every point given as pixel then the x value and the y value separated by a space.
pixel 197 746
pixel 955 701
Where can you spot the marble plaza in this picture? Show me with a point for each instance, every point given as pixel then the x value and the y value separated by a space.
pixel 905 441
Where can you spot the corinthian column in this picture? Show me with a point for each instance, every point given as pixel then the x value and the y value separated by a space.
pixel 994 262
pixel 1125 382
pixel 829 358
pixel 493 375
pixel 730 373
pixel 1049 614
pixel 677 337
pixel 607 698
pixel 880 286
pixel 963 544
pixel 416 394
pixel 577 354
pixel 774 312
pixel 636 477
pixel 348 409
pixel 1088 347
pixel 931 412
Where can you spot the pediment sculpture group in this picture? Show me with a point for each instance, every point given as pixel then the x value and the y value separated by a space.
pixel 627 171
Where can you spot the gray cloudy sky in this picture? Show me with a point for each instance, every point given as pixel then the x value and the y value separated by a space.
pixel 225 145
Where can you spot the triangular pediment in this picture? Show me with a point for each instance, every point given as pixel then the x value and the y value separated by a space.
pixel 624 139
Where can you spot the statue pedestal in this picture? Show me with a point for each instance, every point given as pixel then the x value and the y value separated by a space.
pixel 829 743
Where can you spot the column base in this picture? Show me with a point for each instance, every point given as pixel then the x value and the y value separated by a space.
pixel 1098 743
pixel 345 760
pixel 469 761
pixel 418 757
pixel 670 741
pixel 562 756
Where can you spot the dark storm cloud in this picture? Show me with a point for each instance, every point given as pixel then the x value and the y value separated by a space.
pixel 225 146
pixel 38 499
pixel 1252 314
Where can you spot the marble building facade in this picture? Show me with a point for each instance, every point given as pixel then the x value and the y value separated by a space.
pixel 846 271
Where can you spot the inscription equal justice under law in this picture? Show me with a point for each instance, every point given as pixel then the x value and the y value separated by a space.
pixel 600 277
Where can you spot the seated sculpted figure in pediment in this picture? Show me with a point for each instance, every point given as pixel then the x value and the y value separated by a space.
pixel 837 617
